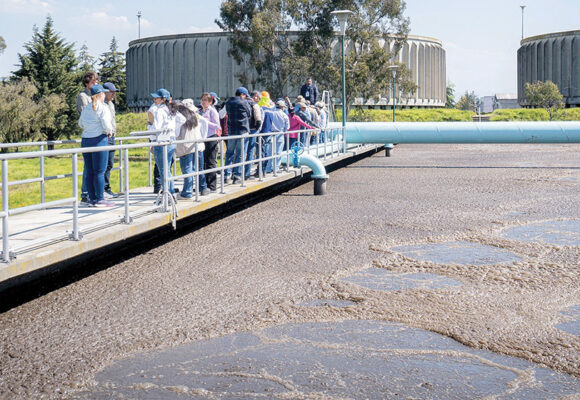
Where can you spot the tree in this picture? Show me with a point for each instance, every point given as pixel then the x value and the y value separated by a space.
pixel 50 64
pixel 450 102
pixel 21 116
pixel 86 61
pixel 2 44
pixel 112 69
pixel 468 101
pixel 260 32
pixel 545 95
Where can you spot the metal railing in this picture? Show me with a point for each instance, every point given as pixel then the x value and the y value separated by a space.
pixel 325 144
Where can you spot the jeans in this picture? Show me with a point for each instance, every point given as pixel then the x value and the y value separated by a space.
pixel 252 145
pixel 279 147
pixel 158 154
pixel 236 150
pixel 187 163
pixel 110 163
pixel 210 162
pixel 95 165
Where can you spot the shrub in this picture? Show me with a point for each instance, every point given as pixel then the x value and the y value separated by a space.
pixel 412 115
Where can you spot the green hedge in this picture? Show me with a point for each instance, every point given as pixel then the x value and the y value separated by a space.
pixel 410 115
pixel 535 114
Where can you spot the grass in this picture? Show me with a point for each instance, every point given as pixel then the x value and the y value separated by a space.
pixel 30 193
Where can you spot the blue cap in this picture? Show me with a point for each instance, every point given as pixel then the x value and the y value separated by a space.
pixel 215 97
pixel 96 89
pixel 242 90
pixel 164 93
pixel 110 87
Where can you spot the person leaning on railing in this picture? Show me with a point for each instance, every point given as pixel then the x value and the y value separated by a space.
pixel 95 121
pixel 209 112
pixel 163 119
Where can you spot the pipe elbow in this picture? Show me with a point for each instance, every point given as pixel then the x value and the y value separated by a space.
pixel 318 170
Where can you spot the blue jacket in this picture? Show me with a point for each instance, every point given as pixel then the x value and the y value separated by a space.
pixel 239 113
pixel 309 92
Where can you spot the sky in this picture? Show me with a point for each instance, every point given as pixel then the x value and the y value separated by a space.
pixel 480 37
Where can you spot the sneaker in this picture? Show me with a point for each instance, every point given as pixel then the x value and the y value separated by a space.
pixel 213 190
pixel 85 201
pixel 104 203
pixel 204 192
pixel 109 194
pixel 181 197
pixel 236 179
pixel 227 180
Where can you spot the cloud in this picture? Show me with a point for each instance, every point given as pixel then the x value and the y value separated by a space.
pixel 102 20
pixel 25 6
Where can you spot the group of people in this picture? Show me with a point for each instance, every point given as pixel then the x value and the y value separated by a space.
pixel 239 118
pixel 97 120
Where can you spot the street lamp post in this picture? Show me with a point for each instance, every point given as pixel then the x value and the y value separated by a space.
pixel 522 7
pixel 342 16
pixel 393 68
pixel 139 24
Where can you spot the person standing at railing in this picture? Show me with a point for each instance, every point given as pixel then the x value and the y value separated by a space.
pixel 239 113
pixel 190 127
pixel 296 124
pixel 109 97
pixel 256 121
pixel 89 80
pixel 304 116
pixel 165 98
pixel 275 120
pixel 214 130
pixel 95 121
pixel 163 119
pixel 320 106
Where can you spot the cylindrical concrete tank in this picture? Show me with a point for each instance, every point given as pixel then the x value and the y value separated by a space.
pixel 552 57
pixel 190 64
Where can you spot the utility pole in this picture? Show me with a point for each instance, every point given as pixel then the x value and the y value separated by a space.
pixel 522 7
pixel 139 24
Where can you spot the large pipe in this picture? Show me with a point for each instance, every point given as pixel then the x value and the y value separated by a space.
pixel 318 172
pixel 463 132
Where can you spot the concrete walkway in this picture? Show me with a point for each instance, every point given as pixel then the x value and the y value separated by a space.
pixel 42 238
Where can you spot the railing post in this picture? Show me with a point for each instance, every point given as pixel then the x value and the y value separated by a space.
pixel 42 186
pixel 260 157
pixel 149 170
pixel 121 168
pixel 274 154
pixel 126 181
pixel 165 177
pixel 223 143
pixel 5 207
pixel 75 232
pixel 196 163
pixel 244 151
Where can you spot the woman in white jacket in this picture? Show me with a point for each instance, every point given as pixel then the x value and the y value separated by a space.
pixel 189 126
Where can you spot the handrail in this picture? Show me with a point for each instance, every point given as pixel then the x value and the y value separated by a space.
pixel 333 141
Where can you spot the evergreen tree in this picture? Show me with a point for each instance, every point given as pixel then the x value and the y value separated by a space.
pixel 112 69
pixel 50 64
pixel 450 102
pixel 2 45
pixel 86 61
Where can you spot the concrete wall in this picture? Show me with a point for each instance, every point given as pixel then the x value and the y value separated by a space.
pixel 554 57
pixel 190 64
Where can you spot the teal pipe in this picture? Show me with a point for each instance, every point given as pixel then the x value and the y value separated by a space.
pixel 463 132
pixel 318 170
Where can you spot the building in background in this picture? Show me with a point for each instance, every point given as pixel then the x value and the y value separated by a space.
pixel 551 57
pixel 502 101
pixel 190 64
